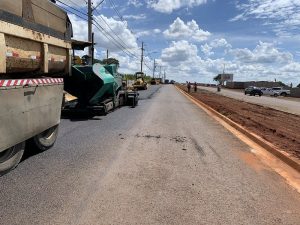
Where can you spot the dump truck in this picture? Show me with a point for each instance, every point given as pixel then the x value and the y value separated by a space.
pixel 35 60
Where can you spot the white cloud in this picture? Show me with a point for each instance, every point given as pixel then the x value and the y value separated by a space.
pixel 77 3
pixel 282 15
pixel 143 33
pixel 80 28
pixel 168 6
pixel 135 3
pixel 74 3
pixel 129 65
pixel 147 33
pixel 109 39
pixel 206 49
pixel 264 62
pixel 262 54
pixel 181 51
pixel 135 17
pixel 179 30
pixel 293 67
pixel 217 43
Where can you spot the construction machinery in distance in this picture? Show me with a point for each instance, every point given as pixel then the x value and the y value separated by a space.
pixel 140 83
pixel 156 81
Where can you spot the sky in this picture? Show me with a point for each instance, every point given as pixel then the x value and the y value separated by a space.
pixel 194 40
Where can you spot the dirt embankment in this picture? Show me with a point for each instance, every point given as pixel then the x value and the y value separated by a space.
pixel 279 128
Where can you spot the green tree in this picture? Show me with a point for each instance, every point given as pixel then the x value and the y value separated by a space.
pixel 110 61
pixel 132 77
pixel 218 78
pixel 129 77
pixel 97 61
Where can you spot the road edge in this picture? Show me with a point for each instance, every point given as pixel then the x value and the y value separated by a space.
pixel 283 156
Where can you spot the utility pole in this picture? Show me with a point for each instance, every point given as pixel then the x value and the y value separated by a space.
pixel 142 56
pixel 93 47
pixel 160 71
pixel 90 25
pixel 106 54
pixel 154 67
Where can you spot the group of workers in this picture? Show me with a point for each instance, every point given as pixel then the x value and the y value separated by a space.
pixel 189 86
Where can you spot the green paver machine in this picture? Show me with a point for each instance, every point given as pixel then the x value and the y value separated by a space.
pixel 98 89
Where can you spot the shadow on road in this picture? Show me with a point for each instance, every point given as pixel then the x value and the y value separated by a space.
pixel 29 152
pixel 79 116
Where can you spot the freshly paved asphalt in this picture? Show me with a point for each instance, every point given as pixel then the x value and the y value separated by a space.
pixel 286 104
pixel 163 162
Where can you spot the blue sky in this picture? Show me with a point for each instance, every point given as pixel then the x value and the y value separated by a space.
pixel 195 39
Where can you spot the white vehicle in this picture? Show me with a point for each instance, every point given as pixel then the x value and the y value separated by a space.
pixel 281 91
pixel 269 91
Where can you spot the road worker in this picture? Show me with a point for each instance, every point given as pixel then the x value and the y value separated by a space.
pixel 189 87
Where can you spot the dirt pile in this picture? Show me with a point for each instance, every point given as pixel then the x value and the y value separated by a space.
pixel 279 128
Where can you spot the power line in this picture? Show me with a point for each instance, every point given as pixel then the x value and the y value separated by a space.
pixel 147 66
pixel 123 43
pixel 67 10
pixel 76 10
pixel 116 10
pixel 114 41
pixel 74 3
pixel 117 44
pixel 119 14
pixel 112 3
pixel 98 5
pixel 99 27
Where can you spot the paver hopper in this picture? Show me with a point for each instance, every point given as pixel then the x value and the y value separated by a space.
pixel 93 84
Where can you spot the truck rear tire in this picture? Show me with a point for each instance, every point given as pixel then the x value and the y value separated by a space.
pixel 11 157
pixel 45 140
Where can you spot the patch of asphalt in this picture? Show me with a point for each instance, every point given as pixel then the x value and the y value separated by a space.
pixel 150 92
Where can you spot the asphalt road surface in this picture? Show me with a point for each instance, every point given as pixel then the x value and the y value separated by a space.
pixel 163 162
pixel 286 104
